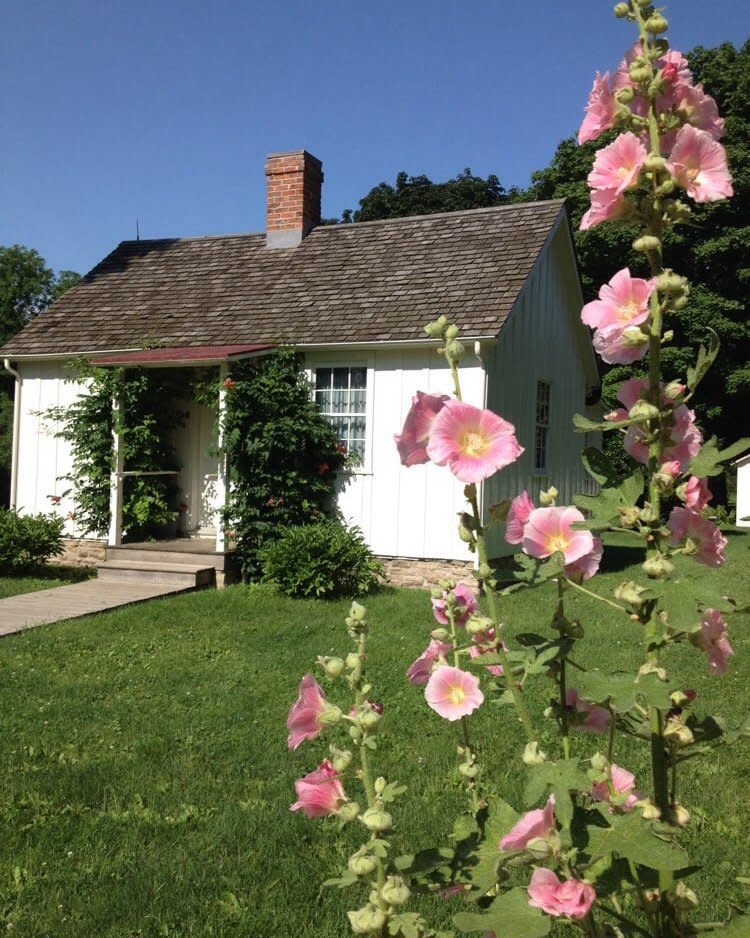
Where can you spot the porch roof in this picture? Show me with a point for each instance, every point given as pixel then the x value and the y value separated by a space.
pixel 180 355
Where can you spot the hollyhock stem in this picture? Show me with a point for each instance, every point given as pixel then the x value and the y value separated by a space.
pixel 469 755
pixel 564 727
pixel 515 688
pixel 602 599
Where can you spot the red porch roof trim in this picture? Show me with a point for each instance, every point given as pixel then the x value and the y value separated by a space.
pixel 187 354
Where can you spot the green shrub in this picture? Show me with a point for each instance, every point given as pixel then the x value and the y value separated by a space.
pixel 28 540
pixel 323 560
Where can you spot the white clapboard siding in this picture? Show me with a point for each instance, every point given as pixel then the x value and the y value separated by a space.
pixel 743 492
pixel 43 459
pixel 542 340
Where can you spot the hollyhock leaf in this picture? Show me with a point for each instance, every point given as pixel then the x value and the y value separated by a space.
pixel 618 689
pixel 585 424
pixel 599 466
pixel 426 861
pixel 561 777
pixel 407 924
pixel 510 915
pixel 465 826
pixel 500 819
pixel 653 691
pixel 708 461
pixel 533 571
pixel 706 358
pixel 603 509
pixel 631 836
pixel 341 882
pixel 392 791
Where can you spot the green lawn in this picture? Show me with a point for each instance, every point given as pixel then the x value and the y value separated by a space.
pixel 42 579
pixel 146 780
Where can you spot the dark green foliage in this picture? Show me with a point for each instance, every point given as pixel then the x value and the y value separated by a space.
pixel 148 418
pixel 28 541
pixel 282 453
pixel 324 560
pixel 418 195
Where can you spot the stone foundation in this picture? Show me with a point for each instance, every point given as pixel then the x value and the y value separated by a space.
pixel 81 552
pixel 425 574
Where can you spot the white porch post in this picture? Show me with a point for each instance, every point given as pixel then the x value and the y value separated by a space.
pixel 221 470
pixel 115 480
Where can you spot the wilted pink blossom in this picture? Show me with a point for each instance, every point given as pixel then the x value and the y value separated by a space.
pixel 618 165
pixel 473 443
pixel 621 77
pixel 537 823
pixel 618 789
pixel 697 493
pixel 420 670
pixel 699 164
pixel 698 108
pixel 606 205
pixel 320 792
pixel 570 897
pixel 715 642
pixel 600 110
pixel 620 346
pixel 304 720
pixel 587 717
pixel 461 599
pixel 702 537
pixel 412 441
pixel 485 644
pixel 622 306
pixel 453 693
pixel 550 530
pixel 518 514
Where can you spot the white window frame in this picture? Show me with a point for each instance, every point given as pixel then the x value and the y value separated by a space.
pixel 351 361
pixel 545 425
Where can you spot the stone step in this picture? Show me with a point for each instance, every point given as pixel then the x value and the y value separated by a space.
pixel 179 574
pixel 193 557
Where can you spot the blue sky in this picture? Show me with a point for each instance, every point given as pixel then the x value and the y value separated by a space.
pixel 165 110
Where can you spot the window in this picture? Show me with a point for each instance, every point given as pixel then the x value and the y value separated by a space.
pixel 542 425
pixel 341 394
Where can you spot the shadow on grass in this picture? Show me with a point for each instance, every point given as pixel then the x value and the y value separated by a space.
pixel 49 572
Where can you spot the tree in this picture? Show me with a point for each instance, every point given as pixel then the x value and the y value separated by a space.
pixel 419 195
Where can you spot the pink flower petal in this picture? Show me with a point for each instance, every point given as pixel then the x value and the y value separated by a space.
pixel 473 443
pixel 453 693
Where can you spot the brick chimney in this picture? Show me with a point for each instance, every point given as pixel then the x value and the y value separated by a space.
pixel 294 182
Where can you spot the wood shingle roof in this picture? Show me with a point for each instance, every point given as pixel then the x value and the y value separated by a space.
pixel 366 282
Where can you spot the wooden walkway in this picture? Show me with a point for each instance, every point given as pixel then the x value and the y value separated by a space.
pixel 78 599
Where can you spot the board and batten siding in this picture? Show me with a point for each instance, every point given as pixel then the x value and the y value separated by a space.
pixel 743 492
pixel 403 512
pixel 43 459
pixel 542 340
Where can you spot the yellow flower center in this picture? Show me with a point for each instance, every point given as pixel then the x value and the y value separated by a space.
pixel 557 542
pixel 474 444
pixel 456 694
pixel 627 311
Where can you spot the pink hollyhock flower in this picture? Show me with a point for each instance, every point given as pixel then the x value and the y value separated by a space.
pixel 473 443
pixel 420 670
pixel 701 536
pixel 537 823
pixel 518 514
pixel 618 789
pixel 621 77
pixel 453 693
pixel 585 567
pixel 624 301
pixel 463 603
pixel 600 110
pixel 620 346
pixel 549 530
pixel 412 441
pixel 484 644
pixel 606 205
pixel 682 439
pixel 618 166
pixel 304 720
pixel 677 65
pixel 715 642
pixel 570 897
pixel 698 163
pixel 589 718
pixel 697 493
pixel 320 792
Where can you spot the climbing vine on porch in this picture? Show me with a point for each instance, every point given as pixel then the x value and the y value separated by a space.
pixel 282 453
pixel 148 417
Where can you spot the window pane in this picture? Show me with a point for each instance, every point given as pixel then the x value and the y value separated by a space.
pixel 359 377
pixel 323 400
pixel 341 377
pixel 357 402
pixel 323 378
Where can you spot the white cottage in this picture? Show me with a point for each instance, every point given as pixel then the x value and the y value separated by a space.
pixel 354 298
pixel 742 518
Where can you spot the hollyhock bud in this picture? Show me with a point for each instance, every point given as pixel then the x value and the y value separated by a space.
pixel 362 864
pixel 622 10
pixel 440 634
pixel 657 567
pixel 369 720
pixel 395 891
pixel 357 612
pixel 341 759
pixel 548 497
pixel 643 410
pixel 629 515
pixel 649 810
pixel 683 897
pixel 656 24
pixel 631 594
pixel 655 163
pixel 348 811
pixel 352 660
pixel 468 770
pixel 680 815
pixel 646 243
pixel 676 730
pixel 332 666
pixel 533 755
pixel 436 329
pixel 368 920
pixel 648 514
pixel 539 848
pixel 375 819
